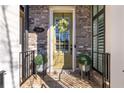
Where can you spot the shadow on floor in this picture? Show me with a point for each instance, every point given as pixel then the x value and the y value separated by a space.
pixel 51 83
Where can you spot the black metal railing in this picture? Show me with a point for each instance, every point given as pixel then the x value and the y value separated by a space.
pixel 104 68
pixel 106 71
pixel 27 65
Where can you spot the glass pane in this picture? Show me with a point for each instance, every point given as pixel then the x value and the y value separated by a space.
pixel 101 23
pixel 62 38
pixel 95 60
pixel 95 27
pixel 98 37
pixel 95 44
pixel 100 62
pixel 56 20
pixel 100 7
pixel 94 10
pixel 100 50
pixel 101 33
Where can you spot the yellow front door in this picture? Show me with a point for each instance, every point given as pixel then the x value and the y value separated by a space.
pixel 62 42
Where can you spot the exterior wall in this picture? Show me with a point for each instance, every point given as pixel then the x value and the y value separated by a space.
pixel 39 17
pixel 83 29
pixel 115 30
pixel 9 44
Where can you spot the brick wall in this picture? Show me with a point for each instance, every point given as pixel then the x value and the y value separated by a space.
pixel 83 29
pixel 38 17
pixel 84 36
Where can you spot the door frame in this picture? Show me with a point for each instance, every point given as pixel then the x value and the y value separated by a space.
pixel 61 9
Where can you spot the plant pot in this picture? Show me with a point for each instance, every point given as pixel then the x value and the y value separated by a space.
pixel 41 67
pixel 84 68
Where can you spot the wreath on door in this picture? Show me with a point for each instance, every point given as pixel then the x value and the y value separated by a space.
pixel 63 25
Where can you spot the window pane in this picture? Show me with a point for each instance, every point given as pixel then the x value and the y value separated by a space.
pixel 95 44
pixel 101 33
pixel 98 37
pixel 95 27
pixel 94 10
pixel 100 7
pixel 101 50
pixel 95 60
pixel 101 23
pixel 100 62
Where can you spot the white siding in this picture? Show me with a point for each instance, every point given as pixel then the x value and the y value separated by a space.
pixel 115 43
pixel 9 44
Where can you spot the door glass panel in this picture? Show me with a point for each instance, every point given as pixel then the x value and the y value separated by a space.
pixel 62 38
pixel 57 33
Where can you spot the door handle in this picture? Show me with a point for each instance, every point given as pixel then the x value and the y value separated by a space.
pixel 74 46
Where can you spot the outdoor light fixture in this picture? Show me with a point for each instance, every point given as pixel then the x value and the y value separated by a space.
pixel 38 29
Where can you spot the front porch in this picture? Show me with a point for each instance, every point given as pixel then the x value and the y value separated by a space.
pixel 85 34
pixel 54 80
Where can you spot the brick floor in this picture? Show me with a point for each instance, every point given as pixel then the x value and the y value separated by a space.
pixel 56 80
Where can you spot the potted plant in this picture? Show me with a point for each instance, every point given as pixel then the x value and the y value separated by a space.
pixel 84 62
pixel 39 63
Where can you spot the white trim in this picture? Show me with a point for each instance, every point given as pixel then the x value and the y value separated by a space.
pixel 50 45
pixel 74 41
pixel 65 9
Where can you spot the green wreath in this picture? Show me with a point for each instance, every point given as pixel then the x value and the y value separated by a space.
pixel 63 25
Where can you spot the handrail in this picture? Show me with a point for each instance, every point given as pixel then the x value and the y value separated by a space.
pixel 27 65
pixel 27 51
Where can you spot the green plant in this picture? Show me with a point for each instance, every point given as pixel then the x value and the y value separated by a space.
pixel 38 59
pixel 84 59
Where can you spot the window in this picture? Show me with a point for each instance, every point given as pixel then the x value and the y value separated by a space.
pixel 98 36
